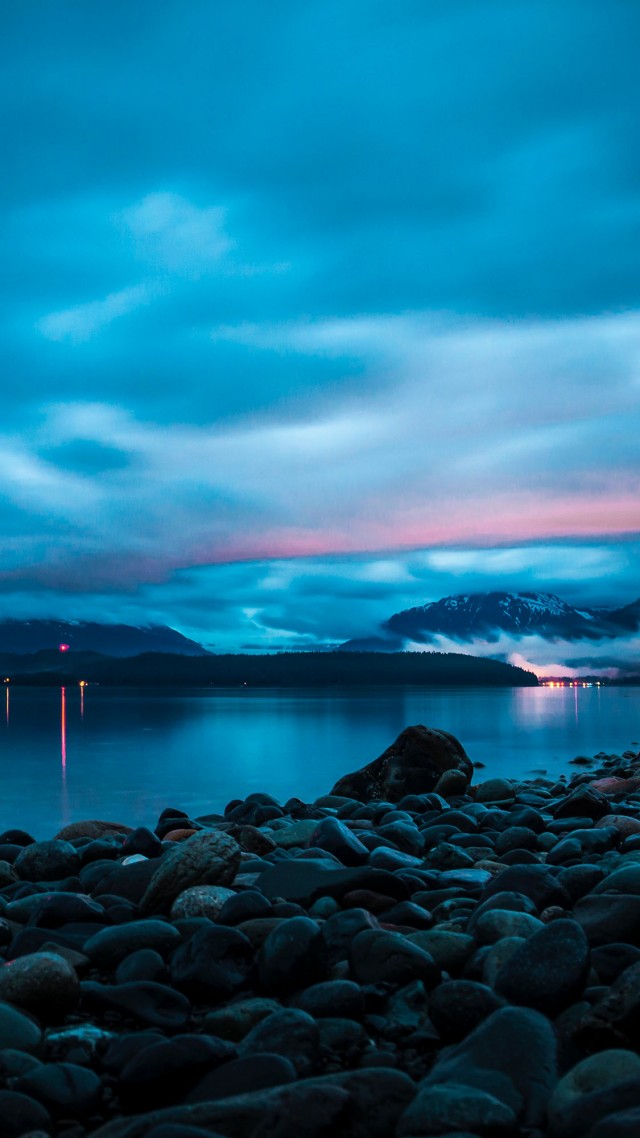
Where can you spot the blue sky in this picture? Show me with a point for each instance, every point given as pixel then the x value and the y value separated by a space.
pixel 314 311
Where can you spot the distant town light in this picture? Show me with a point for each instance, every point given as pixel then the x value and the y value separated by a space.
pixel 7 679
pixel 63 647
pixel 82 683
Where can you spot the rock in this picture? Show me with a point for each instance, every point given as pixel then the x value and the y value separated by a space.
pixel 294 955
pixel 609 917
pixel 452 783
pixel 622 1124
pixel 20 1116
pixel 611 959
pixel 47 861
pixel 295 835
pixel 243 907
pixel 214 964
pixel 458 1006
pixel 378 956
pixel 583 802
pixel 511 1055
pixel 626 879
pixel 142 841
pixel 495 790
pixel 353 1103
pixel 64 1089
pixel 304 880
pixel 18 1031
pixel 92 829
pixel 143 964
pixel 210 857
pixel 615 1020
pixel 455 1107
pixel 450 950
pixel 412 764
pixel 332 998
pixel 234 1021
pixel 42 983
pixel 56 909
pixel 166 1071
pixel 332 835
pixel 244 1075
pixel 152 1004
pixel 110 946
pixel 549 971
pixel 201 901
pixel 572 1098
pixel 534 881
pixel 291 1033
pixel 494 924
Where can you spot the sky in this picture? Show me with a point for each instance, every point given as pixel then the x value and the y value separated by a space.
pixel 312 312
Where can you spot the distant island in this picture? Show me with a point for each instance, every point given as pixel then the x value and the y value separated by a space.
pixel 28 636
pixel 281 669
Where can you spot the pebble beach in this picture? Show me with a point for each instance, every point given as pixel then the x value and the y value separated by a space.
pixel 417 952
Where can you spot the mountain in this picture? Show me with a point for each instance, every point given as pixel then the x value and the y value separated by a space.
pixel 23 637
pixel 474 616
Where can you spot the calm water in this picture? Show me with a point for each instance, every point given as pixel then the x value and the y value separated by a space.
pixel 125 754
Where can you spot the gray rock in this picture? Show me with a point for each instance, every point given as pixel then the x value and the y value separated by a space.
pixel 18 1031
pixel 609 917
pixel 378 956
pixel 548 971
pixel 42 982
pixel 110 946
pixel 47 861
pixel 289 1032
pixel 235 1020
pixel 450 950
pixel 453 1107
pixel 294 955
pixel 495 924
pixel 210 857
pixel 201 901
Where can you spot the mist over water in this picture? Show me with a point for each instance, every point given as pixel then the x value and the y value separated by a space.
pixel 125 754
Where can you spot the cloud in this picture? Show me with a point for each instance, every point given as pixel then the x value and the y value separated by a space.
pixel 81 323
pixel 172 233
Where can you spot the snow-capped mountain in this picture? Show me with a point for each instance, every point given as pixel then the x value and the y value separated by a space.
pixel 474 616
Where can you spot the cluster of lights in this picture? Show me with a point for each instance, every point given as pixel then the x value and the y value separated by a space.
pixel 570 684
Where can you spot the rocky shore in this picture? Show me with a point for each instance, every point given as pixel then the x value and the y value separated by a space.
pixel 410 955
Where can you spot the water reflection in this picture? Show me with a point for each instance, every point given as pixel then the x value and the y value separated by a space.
pixel 7 703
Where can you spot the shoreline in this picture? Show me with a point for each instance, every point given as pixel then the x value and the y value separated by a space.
pixel 462 958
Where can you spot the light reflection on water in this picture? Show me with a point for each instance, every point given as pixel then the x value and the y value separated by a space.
pixel 125 754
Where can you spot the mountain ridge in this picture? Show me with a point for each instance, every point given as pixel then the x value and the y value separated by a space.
pixel 24 637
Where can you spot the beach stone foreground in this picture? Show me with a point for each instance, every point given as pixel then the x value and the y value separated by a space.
pixel 409 955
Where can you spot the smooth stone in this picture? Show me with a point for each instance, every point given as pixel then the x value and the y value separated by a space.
pixel 340 998
pixel 549 971
pixel 578 880
pixel 584 801
pixel 495 924
pixel 456 1007
pixel 596 1073
pixel 110 946
pixel 289 1032
pixel 165 1071
pixel 622 1124
pixel 333 836
pixel 243 907
pixel 152 1004
pixel 92 828
pixel 244 1075
pixel 377 956
pixel 18 1030
pixel 496 956
pixel 42 983
pixel 48 861
pixel 235 1020
pixel 614 1021
pixel 609 917
pixel 201 901
pixel 56 909
pixel 143 964
pixel 209 857
pixel 304 880
pixel 294 955
pixel 450 950
pixel 623 880
pixel 65 1089
pixel 21 1116
pixel 296 834
pixel 534 881
pixel 449 1109
pixel 511 1055
pixel 495 790
pixel 214 964
pixel 611 959
pixel 14 1063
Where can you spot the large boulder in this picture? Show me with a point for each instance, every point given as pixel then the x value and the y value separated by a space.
pixel 414 764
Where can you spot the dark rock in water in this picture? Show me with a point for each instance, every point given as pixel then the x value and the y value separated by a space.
pixel 242 1076
pixel 411 765
pixel 458 1006
pixel 20 1115
pixel 549 971
pixel 289 1032
pixel 306 879
pixel 142 841
pixel 512 1056
pixel 378 957
pixel 165 1071
pixel 154 1005
pixel 213 964
pixel 65 1089
pixel 332 835
pixel 112 945
pixel 48 861
pixel 16 838
pixel 452 1107
pixel 293 956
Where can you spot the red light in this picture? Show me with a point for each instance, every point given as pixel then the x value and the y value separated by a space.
pixel 63 647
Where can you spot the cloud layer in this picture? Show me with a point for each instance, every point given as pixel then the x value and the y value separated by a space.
pixel 317 295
